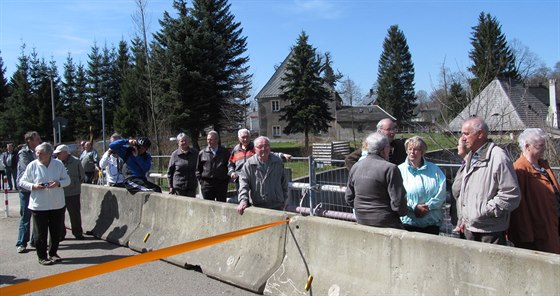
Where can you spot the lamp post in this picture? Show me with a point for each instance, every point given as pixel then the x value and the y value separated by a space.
pixel 52 105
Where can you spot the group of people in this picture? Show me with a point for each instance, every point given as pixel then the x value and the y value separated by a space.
pixel 497 200
pixel 257 173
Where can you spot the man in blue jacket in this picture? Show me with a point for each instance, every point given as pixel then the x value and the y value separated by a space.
pixel 135 154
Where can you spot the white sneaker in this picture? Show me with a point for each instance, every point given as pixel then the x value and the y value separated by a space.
pixel 21 249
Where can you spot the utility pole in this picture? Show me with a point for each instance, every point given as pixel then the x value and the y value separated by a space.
pixel 52 104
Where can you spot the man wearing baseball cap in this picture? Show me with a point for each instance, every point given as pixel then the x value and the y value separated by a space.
pixel 72 191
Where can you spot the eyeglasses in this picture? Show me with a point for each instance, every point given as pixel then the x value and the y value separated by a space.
pixel 390 129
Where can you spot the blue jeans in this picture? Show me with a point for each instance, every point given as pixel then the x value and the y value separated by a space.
pixel 25 220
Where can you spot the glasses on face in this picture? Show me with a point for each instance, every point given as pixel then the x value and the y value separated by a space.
pixel 538 146
pixel 391 130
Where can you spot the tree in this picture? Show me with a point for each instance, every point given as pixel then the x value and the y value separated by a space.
pixel 490 54
pixel 5 92
pixel 350 92
pixel 307 97
pixel 20 105
pixel 395 78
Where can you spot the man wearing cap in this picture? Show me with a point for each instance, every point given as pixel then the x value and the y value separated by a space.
pixel 72 191
pixel 113 165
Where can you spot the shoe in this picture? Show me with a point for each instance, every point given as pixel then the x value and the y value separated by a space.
pixel 55 258
pixel 21 249
pixel 45 262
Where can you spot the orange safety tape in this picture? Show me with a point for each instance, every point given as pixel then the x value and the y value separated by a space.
pixel 90 271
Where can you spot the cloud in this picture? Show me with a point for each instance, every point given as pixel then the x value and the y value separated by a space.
pixel 323 9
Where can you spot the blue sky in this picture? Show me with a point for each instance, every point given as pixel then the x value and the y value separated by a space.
pixel 352 30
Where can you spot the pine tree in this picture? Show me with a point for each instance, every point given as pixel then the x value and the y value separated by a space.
pixel 40 83
pixel 456 101
pixel 20 105
pixel 308 98
pixel 395 76
pixel 5 92
pixel 491 54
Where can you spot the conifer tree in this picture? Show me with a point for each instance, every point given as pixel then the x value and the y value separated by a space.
pixel 395 78
pixel 5 124
pixel 490 54
pixel 20 104
pixel 307 96
pixel 456 101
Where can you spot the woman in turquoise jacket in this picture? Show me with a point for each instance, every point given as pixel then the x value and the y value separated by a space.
pixel 425 189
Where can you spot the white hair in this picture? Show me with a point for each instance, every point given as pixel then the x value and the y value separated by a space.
pixel 376 142
pixel 531 136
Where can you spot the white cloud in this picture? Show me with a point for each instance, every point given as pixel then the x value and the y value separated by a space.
pixel 324 9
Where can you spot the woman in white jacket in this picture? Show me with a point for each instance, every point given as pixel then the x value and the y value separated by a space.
pixel 45 177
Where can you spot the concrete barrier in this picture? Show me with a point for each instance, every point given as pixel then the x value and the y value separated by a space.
pixel 111 213
pixel 245 262
pixel 349 259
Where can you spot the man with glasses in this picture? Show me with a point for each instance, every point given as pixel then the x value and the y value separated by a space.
pixel 397 154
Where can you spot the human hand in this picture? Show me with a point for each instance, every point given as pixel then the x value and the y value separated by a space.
pixel 288 157
pixel 233 177
pixel 242 206
pixel 421 210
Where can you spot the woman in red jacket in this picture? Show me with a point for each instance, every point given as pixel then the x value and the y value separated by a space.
pixel 534 224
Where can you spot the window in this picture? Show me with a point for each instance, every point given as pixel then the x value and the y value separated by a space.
pixel 275 105
pixel 276 130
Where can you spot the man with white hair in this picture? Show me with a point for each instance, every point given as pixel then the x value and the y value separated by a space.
pixel 113 165
pixel 489 190
pixel 72 192
pixel 262 182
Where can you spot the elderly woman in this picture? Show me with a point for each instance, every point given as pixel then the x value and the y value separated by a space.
pixel 182 167
pixel 425 189
pixel 375 188
pixel 45 177
pixel 534 224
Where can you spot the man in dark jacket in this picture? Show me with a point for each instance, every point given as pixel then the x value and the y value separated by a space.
pixel 10 160
pixel 212 169
pixel 397 154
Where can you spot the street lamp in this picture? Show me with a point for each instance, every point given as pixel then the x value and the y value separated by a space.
pixel 52 105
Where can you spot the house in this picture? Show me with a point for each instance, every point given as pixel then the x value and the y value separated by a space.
pixel 508 106
pixel 270 102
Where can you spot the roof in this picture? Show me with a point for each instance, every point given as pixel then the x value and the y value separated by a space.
pixel 272 89
pixel 362 113
pixel 504 105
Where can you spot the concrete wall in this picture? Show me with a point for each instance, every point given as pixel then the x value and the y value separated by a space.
pixel 344 258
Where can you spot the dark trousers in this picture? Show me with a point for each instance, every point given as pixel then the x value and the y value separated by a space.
pixel 74 211
pixel 432 229
pixel 11 175
pixel 89 177
pixel 214 190
pixel 189 193
pixel 45 222
pixel 497 238
pixel 25 220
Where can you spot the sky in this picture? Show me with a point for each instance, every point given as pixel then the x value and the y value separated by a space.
pixel 438 32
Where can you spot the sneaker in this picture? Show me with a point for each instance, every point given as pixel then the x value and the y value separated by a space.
pixel 21 249
pixel 45 262
pixel 55 258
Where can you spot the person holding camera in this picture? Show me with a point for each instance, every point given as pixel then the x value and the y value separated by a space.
pixel 113 165
pixel 44 177
pixel 134 153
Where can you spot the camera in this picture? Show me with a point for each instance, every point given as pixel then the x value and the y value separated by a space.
pixel 45 184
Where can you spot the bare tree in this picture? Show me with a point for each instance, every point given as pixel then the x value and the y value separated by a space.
pixel 350 92
pixel 526 61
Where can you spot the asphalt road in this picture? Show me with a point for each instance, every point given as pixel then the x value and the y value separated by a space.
pixel 153 278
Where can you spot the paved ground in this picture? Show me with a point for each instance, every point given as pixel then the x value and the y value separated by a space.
pixel 154 278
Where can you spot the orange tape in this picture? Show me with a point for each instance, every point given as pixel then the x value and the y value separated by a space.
pixel 90 271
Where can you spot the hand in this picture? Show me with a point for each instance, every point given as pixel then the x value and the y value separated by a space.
pixel 288 157
pixel 242 206
pixel 460 228
pixel 233 177
pixel 421 210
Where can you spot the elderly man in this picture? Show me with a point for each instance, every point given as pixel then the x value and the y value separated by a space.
pixel 113 165
pixel 9 159
pixel 262 182
pixel 90 162
pixel 25 156
pixel 212 168
pixel 72 192
pixel 489 190
pixel 397 153
pixel 375 187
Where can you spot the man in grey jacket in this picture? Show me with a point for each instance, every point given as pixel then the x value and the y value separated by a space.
pixel 262 182
pixel 72 191
pixel 489 190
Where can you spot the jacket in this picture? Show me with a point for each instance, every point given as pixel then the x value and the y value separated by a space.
pixel 76 173
pixel 210 167
pixel 181 172
pixel 264 186
pixel 14 160
pixel 489 190
pixel 536 218
pixel 239 156
pixel 25 156
pixel 45 199
pixel 90 160
pixel 375 190
pixel 138 166
pixel 424 185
